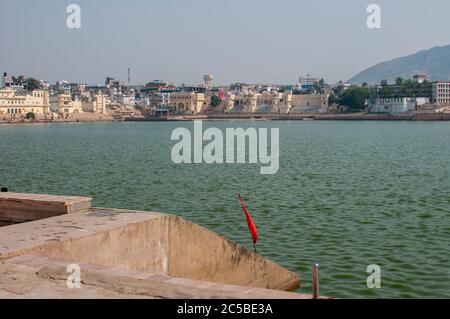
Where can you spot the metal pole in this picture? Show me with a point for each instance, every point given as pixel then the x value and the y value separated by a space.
pixel 315 281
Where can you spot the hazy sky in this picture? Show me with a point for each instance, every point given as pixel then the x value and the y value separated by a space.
pixel 236 40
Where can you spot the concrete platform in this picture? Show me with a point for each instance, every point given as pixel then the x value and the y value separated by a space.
pixel 20 208
pixel 38 276
pixel 130 254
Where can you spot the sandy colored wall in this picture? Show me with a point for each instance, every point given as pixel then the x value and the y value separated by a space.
pixel 172 246
pixel 197 253
pixel 140 246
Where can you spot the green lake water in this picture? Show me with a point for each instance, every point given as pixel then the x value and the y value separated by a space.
pixel 347 194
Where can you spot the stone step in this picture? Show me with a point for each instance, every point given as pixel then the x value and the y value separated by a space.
pixel 139 284
pixel 19 208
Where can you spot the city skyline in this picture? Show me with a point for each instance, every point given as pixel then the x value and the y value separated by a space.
pixel 178 42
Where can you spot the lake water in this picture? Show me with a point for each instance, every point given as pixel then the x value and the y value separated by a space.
pixel 347 194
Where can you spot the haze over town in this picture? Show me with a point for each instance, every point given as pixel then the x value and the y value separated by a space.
pixel 237 41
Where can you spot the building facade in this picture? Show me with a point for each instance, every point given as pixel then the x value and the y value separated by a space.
pixel 397 105
pixel 276 102
pixel 99 103
pixel 308 80
pixel 441 93
pixel 65 104
pixel 36 102
pixel 245 102
pixel 188 102
pixel 309 103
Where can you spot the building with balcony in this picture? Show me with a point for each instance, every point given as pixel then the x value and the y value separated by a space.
pixel 18 105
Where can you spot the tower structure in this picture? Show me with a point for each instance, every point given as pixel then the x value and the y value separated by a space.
pixel 208 78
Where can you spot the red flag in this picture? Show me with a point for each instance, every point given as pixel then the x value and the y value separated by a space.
pixel 251 224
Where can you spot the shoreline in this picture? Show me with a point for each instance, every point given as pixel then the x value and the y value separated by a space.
pixel 423 117
pixel 71 121
pixel 309 117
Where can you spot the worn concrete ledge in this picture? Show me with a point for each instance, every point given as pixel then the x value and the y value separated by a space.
pixel 147 242
pixel 120 248
pixel 19 208
pixel 108 282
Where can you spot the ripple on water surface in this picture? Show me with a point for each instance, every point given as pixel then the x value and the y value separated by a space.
pixel 347 195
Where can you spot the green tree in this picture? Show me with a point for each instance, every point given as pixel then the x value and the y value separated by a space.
pixel 215 101
pixel 354 98
pixel 31 116
pixel 319 86
pixel 333 100
pixel 33 84
pixel 20 79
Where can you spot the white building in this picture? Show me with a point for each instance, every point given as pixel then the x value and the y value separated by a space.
pixel 441 93
pixel 397 105
pixel 308 80
pixel 126 101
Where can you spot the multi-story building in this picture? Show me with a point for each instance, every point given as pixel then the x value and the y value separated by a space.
pixel 17 105
pixel 9 83
pixel 158 86
pixel 397 105
pixel 309 103
pixel 126 101
pixel 188 102
pixel 308 80
pixel 62 86
pixel 99 103
pixel 275 102
pixel 441 93
pixel 229 101
pixel 400 97
pixel 245 102
pixel 67 105
pixel 157 99
pixel 77 87
pixel 95 102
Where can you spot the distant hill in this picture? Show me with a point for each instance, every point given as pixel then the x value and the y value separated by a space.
pixel 434 62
